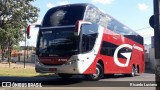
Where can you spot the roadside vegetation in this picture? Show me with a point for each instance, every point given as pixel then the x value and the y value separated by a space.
pixel 15 15
pixel 28 72
pixel 19 71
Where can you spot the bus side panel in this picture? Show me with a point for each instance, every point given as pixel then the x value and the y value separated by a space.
pixel 95 53
pixel 92 68
pixel 108 61
pixel 137 57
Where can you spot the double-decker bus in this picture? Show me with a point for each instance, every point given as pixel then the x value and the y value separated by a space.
pixel 80 39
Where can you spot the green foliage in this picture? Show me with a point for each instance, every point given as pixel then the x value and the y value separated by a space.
pixel 17 13
pixel 17 47
pixel 14 16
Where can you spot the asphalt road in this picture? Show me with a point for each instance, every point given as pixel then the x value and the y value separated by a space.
pixel 118 82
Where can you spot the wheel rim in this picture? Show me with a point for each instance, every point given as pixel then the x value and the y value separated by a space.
pixel 136 71
pixel 133 71
pixel 96 75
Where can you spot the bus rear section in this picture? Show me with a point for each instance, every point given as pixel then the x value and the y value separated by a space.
pixel 121 54
pixel 124 49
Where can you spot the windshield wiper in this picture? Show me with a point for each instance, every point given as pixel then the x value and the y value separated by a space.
pixel 61 41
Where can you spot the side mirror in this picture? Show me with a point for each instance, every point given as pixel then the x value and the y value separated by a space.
pixel 29 29
pixel 78 27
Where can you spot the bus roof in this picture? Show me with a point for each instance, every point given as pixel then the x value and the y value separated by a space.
pixel 91 5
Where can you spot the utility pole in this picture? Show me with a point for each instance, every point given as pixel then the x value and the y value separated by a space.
pixel 25 49
pixel 155 23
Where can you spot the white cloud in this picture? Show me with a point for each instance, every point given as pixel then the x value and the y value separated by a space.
pixel 102 1
pixel 146 35
pixel 50 5
pixel 142 6
pixel 63 2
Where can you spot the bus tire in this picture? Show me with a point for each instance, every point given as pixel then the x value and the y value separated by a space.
pixel 64 75
pixel 98 75
pixel 136 71
pixel 133 73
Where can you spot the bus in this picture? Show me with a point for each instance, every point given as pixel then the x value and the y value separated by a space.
pixel 80 39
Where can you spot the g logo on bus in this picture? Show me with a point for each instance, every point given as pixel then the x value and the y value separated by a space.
pixel 127 55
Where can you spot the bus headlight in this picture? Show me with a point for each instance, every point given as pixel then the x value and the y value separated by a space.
pixel 71 62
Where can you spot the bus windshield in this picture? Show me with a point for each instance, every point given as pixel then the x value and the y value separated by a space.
pixel 57 42
pixel 64 15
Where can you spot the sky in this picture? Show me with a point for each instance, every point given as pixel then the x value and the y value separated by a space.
pixel 133 13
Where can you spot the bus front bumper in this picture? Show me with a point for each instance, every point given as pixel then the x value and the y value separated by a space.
pixel 68 68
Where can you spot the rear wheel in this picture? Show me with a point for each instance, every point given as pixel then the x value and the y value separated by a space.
pixel 64 75
pixel 98 75
pixel 136 71
pixel 133 73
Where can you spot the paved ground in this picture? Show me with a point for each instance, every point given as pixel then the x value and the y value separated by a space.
pixel 118 82
pixel 53 82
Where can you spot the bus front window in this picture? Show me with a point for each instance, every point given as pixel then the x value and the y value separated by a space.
pixel 57 42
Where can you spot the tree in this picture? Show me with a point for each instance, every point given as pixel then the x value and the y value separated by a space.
pixel 3 41
pixel 17 13
pixel 14 16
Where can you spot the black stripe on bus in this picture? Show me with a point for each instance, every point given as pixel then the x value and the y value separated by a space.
pixel 108 49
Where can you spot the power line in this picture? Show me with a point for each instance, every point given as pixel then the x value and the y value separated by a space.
pixel 142 28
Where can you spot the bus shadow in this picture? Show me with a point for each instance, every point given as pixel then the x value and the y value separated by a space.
pixel 62 82
pixel 45 81
pixel 116 76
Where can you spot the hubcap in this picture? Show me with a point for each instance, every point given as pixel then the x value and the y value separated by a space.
pixel 96 74
pixel 136 70
pixel 133 72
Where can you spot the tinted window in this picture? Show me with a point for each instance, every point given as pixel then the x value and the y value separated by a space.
pixel 136 38
pixel 108 49
pixel 121 29
pixel 94 15
pixel 57 41
pixel 89 34
pixel 63 15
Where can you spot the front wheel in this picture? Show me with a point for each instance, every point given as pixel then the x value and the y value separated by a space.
pixel 98 75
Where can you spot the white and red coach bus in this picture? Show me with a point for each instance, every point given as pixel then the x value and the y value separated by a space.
pixel 80 39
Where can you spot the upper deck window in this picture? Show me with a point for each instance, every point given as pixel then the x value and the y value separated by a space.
pixel 63 15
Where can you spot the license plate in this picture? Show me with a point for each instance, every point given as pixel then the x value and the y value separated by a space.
pixel 52 69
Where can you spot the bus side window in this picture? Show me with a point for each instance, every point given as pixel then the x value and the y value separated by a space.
pixel 89 34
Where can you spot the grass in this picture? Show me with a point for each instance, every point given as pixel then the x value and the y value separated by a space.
pixel 27 72
pixel 18 70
